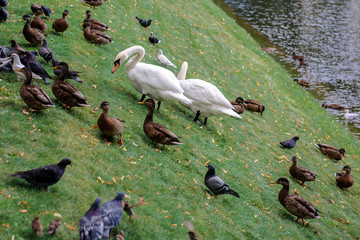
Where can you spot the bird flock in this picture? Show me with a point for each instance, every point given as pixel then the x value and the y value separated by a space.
pixel 157 83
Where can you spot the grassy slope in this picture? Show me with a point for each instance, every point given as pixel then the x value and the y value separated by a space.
pixel 245 152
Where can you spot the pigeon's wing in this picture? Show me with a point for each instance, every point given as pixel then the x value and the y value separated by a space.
pixel 91 228
pixel 46 174
pixel 215 184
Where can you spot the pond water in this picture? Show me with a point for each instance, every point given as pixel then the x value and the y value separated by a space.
pixel 325 32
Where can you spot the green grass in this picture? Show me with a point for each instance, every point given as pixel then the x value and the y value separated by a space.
pixel 245 152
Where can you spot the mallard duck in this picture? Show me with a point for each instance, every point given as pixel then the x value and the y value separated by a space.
pixel 37 22
pixel 295 204
pixel 144 23
pixel 71 74
pixel 155 131
pixel 238 107
pixel 343 179
pixel 331 151
pixel 32 35
pixel 253 105
pixel 297 57
pixel 164 61
pixel 154 81
pixel 95 24
pixel 61 24
pixel 154 40
pixel 303 63
pixel 32 95
pixel 93 3
pixel 95 36
pixel 65 92
pixel 334 106
pixel 34 7
pixel 301 173
pixel 110 126
pixel 302 82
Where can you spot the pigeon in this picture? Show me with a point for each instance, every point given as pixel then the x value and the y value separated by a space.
pixel 70 75
pixel 164 60
pixel 144 23
pixel 14 44
pixel 54 226
pixel 111 213
pixel 36 226
pixel 153 39
pixel 3 3
pixel 91 226
pixel 45 52
pixel 47 11
pixel 216 184
pixel 16 64
pixel 120 235
pixel 343 179
pixel 290 143
pixel 30 62
pixel 45 176
pixel 191 230
pixel 4 15
pixel 34 7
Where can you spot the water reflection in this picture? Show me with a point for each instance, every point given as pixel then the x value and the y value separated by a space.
pixel 327 33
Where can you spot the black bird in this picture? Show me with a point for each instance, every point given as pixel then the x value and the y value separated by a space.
pixel 91 226
pixel 4 15
pixel 45 51
pixel 144 23
pixel 3 3
pixel 290 143
pixel 45 176
pixel 111 214
pixel 70 75
pixel 46 10
pixel 153 39
pixel 216 184
pixel 30 62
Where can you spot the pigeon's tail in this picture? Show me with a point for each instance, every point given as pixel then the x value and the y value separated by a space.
pixel 232 192
pixel 137 18
pixel 18 174
pixel 191 230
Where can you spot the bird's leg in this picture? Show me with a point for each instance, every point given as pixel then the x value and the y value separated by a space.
pixel 205 121
pixel 302 184
pixel 155 144
pixel 303 221
pixel 120 141
pixel 197 116
pixel 297 219
pixel 142 97
pixel 159 103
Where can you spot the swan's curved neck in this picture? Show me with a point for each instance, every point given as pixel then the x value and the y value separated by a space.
pixel 135 59
pixel 182 73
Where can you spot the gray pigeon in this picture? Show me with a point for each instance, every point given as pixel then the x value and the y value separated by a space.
pixel 4 15
pixel 3 3
pixel 91 226
pixel 111 213
pixel 216 184
pixel 290 143
pixel 30 62
pixel 153 39
pixel 144 23
pixel 45 52
pixel 46 10
pixel 45 176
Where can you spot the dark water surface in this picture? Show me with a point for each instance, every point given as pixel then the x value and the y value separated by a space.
pixel 325 32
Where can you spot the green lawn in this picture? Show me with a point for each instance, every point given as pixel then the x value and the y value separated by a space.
pixel 246 152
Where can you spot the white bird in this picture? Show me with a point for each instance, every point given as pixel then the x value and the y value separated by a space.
pixel 207 99
pixel 154 81
pixel 18 65
pixel 164 60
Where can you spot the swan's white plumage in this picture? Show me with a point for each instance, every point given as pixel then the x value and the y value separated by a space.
pixel 154 81
pixel 206 97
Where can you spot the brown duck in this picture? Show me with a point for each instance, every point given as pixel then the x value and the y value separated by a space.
pixel 61 24
pixel 155 131
pixel 110 126
pixel 301 173
pixel 343 179
pixel 65 92
pixel 238 106
pixel 34 97
pixel 302 82
pixel 297 57
pixel 34 7
pixel 95 36
pixel 334 106
pixel 95 24
pixel 39 23
pixel 331 151
pixel 32 35
pixel 94 3
pixel 253 105
pixel 295 204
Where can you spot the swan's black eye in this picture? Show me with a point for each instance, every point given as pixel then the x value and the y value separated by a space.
pixel 117 61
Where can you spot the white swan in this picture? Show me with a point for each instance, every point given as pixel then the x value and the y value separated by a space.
pixel 207 99
pixel 151 80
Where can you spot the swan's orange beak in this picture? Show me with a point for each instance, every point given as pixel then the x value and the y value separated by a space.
pixel 116 65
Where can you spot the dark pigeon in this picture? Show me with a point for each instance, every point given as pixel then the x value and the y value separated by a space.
pixel 30 62
pixel 144 23
pixel 4 15
pixel 91 226
pixel 45 176
pixel 216 184
pixel 153 39
pixel 111 213
pixel 3 3
pixel 46 10
pixel 45 52
pixel 290 143
pixel 34 7
pixel 70 75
